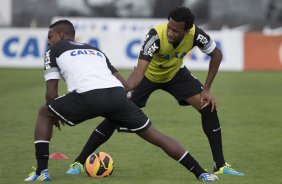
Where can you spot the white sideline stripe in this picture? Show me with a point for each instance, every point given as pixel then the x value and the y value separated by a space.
pixel 183 156
pixel 133 130
pixel 67 121
pixel 40 141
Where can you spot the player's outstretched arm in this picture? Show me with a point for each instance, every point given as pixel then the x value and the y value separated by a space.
pixel 137 74
pixel 122 80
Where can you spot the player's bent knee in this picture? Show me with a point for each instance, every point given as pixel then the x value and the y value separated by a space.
pixel 207 110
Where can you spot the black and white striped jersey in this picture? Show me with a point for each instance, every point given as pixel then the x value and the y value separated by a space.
pixel 82 66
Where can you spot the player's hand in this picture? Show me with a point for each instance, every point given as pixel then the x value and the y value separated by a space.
pixel 206 99
pixel 58 123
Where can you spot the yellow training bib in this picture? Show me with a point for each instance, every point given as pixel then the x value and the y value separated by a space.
pixel 168 60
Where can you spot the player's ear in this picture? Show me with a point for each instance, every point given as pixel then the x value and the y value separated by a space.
pixel 62 35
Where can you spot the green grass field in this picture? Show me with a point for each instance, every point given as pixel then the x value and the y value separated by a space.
pixel 250 110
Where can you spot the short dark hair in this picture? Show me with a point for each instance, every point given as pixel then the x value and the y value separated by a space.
pixel 182 14
pixel 64 26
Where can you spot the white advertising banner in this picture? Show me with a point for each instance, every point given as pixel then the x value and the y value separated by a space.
pixel 26 47
pixel 231 45
pixel 22 48
pixel 112 25
pixel 125 36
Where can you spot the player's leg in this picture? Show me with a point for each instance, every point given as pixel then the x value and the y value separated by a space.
pixel 42 136
pixel 173 149
pixel 70 109
pixel 142 92
pixel 98 137
pixel 105 129
pixel 186 89
pixel 128 117
pixel 210 121
pixel 211 127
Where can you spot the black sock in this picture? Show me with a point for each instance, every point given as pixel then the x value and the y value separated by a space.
pixel 216 147
pixel 42 155
pixel 211 127
pixel 100 135
pixel 191 164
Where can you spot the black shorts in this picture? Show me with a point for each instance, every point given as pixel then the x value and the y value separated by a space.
pixel 182 86
pixel 111 103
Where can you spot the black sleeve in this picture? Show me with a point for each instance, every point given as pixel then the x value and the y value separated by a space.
pixel 110 66
pixel 201 39
pixel 150 46
pixel 54 52
pixel 50 59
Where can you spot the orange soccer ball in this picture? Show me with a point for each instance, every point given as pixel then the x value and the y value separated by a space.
pixel 99 165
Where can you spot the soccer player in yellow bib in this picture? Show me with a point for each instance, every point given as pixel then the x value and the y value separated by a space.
pixel 160 66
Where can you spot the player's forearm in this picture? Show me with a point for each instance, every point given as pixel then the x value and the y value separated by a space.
pixel 213 68
pixel 49 97
pixel 134 79
pixel 215 61
pixel 51 90
pixel 137 74
pixel 122 80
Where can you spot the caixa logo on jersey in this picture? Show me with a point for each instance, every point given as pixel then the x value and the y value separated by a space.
pixel 86 51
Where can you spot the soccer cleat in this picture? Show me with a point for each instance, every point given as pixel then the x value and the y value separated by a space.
pixel 226 169
pixel 43 177
pixel 75 168
pixel 208 177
